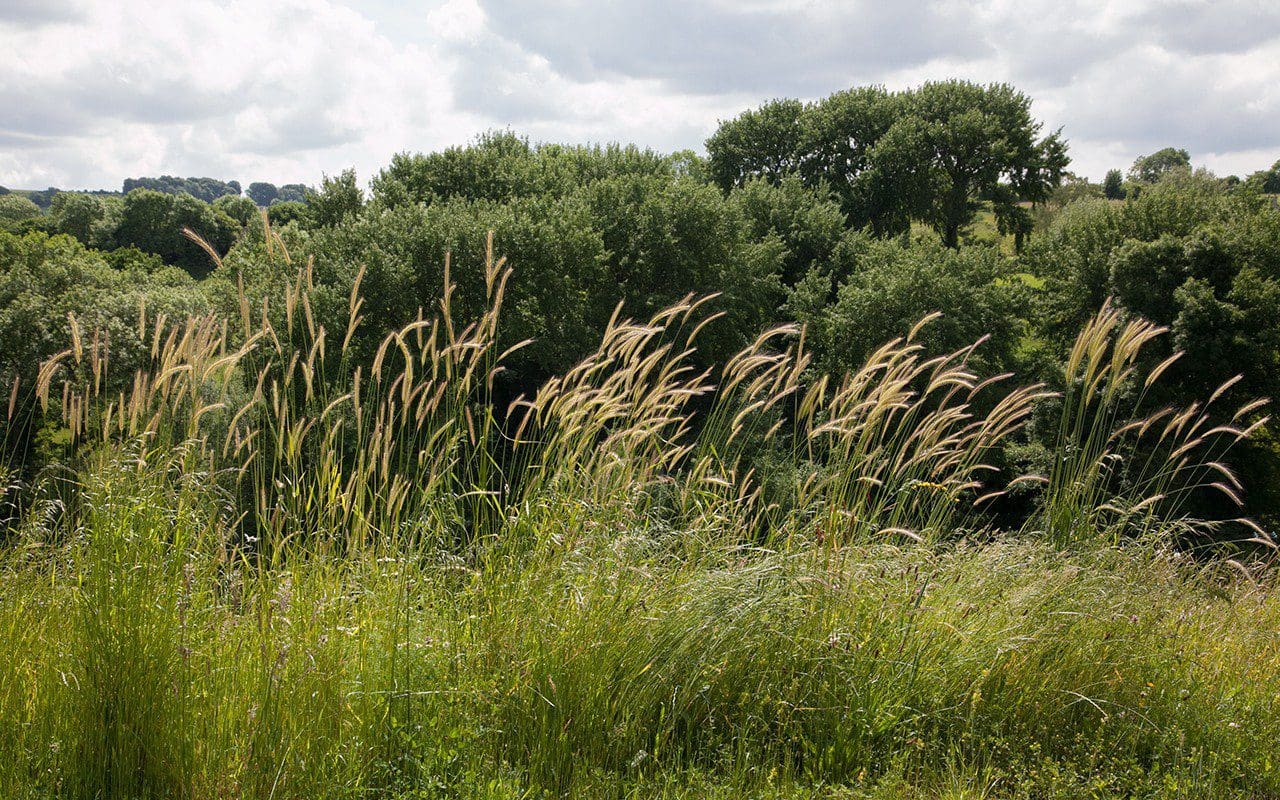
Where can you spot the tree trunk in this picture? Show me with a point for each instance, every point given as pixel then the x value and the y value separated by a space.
pixel 951 235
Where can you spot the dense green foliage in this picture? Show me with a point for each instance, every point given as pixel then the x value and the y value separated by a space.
pixel 1151 168
pixel 934 154
pixel 1113 185
pixel 1267 180
pixel 16 208
pixel 206 189
pixel 1185 255
pixel 890 286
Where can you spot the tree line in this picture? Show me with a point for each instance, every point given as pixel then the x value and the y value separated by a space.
pixel 855 216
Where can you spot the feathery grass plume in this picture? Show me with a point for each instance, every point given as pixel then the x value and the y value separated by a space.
pixel 328 450
pixel 720 490
pixel 897 447
pixel 619 420
pixel 1123 470
pixel 891 452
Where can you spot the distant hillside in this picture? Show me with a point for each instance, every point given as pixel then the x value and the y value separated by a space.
pixel 206 189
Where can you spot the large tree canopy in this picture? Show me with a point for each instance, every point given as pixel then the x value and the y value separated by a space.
pixel 931 154
pixel 1151 168
pixel 501 166
pixel 980 143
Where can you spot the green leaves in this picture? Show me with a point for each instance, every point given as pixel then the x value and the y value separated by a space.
pixel 931 154
pixel 339 197
pixel 1151 168
pixel 585 229
pixel 153 222
pixel 1113 185
pixel 501 166
pixel 893 285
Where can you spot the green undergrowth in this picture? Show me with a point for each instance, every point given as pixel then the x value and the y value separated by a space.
pixel 143 659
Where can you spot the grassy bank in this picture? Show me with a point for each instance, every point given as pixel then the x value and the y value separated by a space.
pixel 142 667
pixel 272 569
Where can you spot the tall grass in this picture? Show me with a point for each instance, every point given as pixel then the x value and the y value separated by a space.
pixel 274 570
pixel 1121 470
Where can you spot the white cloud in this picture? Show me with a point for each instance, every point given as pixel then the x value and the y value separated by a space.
pixel 281 91
pixel 719 47
pixel 457 21
pixel 93 92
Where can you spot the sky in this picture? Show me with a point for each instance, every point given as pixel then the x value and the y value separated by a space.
pixel 288 90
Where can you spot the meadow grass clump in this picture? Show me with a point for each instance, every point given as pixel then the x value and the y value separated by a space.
pixel 273 569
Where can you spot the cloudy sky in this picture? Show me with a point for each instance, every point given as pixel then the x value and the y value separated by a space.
pixel 93 92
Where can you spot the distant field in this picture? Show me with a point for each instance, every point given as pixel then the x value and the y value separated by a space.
pixel 982 230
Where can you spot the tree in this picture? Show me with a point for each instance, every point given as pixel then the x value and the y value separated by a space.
pixel 264 194
pixel 338 198
pixel 984 146
pixel 77 214
pixel 1272 183
pixel 808 222
pixel 850 148
pixel 1151 168
pixel 1267 180
pixel 501 166
pixel 43 199
pixel 153 221
pixel 1113 185
pixel 645 241
pixel 934 153
pixel 830 144
pixel 1185 254
pixel 16 208
pixel 146 222
pixel 1073 189
pixel 242 209
pixel 206 189
pixel 559 294
pixel 497 166
pixel 768 142
pixel 893 284
pixel 292 193
pixel 667 239
pixel 282 213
